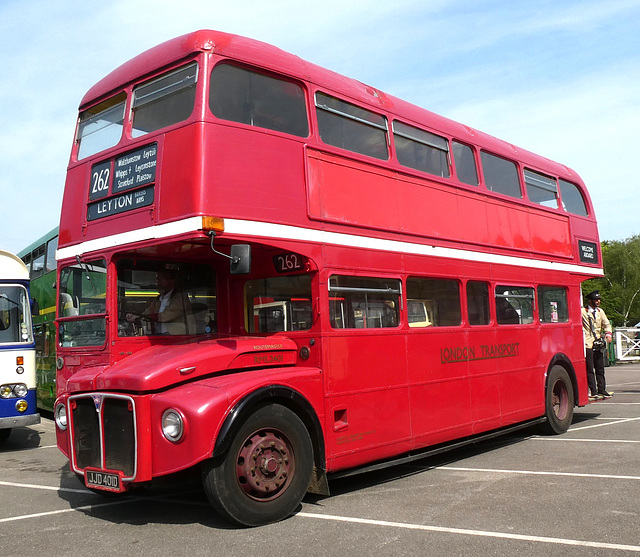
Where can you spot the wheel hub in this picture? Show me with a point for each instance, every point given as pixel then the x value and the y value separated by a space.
pixel 265 465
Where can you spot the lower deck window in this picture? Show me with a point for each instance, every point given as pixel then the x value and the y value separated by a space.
pixel 277 304
pixel 514 305
pixel 553 306
pixel 363 302
pixel 478 303
pixel 433 302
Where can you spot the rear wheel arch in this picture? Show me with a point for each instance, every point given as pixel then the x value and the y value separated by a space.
pixel 563 360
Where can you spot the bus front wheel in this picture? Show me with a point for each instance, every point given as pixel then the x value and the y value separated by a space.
pixel 4 434
pixel 559 401
pixel 264 475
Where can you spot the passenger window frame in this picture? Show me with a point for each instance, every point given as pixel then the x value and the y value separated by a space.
pixel 350 114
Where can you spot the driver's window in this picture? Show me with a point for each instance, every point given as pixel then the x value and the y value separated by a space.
pixel 157 298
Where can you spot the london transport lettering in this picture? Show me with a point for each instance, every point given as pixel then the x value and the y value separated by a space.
pixel 482 352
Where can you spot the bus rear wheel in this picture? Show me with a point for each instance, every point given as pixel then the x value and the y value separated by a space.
pixel 559 401
pixel 266 471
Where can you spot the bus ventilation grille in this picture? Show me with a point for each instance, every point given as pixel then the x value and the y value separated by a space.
pixel 105 439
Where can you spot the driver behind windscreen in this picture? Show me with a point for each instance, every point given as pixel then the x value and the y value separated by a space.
pixel 170 313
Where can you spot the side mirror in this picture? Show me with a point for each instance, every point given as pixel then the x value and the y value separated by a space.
pixel 240 259
pixel 35 307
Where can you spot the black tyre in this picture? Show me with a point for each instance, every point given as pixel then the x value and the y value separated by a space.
pixel 559 401
pixel 266 471
pixel 4 434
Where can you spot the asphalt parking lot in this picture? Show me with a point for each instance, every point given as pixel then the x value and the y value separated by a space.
pixel 578 494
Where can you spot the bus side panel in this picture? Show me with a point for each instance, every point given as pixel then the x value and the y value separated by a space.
pixel 522 375
pixel 338 188
pixel 439 390
pixel 368 412
pixel 484 380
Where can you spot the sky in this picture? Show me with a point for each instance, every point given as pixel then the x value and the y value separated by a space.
pixel 559 78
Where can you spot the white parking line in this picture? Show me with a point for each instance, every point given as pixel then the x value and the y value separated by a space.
pixel 536 473
pixel 464 531
pixel 563 439
pixel 364 521
pixel 615 422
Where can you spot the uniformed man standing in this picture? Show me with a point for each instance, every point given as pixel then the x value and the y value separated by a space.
pixel 594 320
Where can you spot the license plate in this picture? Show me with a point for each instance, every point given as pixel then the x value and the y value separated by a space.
pixel 108 481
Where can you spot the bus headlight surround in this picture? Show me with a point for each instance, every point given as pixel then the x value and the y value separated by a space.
pixel 60 416
pixel 172 425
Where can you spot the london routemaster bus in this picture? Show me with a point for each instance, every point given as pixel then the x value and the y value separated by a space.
pixel 17 353
pixel 281 275
pixel 40 259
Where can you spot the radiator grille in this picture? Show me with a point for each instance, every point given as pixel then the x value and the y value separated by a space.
pixel 103 432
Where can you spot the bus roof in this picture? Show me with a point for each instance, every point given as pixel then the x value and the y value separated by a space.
pixel 260 54
pixel 39 242
pixel 12 267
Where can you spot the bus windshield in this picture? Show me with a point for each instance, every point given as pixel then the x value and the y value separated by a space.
pixel 15 315
pixel 160 298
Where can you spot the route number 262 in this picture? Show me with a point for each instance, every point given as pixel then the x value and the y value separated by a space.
pixel 100 181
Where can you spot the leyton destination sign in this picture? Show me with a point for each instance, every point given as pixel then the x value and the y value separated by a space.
pixel 120 203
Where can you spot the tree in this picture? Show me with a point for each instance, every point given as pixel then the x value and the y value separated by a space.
pixel 620 286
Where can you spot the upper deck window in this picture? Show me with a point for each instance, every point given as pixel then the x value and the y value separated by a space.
pixel 572 199
pixel 100 127
pixel 255 99
pixel 421 150
pixel 164 100
pixel 500 175
pixel 466 170
pixel 350 127
pixel 541 189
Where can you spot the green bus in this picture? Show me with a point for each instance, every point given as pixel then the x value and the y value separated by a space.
pixel 40 259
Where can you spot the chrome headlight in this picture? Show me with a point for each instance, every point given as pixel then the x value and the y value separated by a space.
pixel 60 415
pixel 172 425
pixel 20 390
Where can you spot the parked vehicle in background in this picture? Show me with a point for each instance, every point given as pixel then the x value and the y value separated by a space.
pixel 17 348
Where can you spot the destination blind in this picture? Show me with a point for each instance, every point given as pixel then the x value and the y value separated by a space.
pixel 127 172
pixel 120 203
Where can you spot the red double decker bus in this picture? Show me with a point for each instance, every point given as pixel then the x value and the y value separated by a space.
pixel 283 275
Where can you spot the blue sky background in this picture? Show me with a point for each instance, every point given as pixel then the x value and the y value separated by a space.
pixel 560 78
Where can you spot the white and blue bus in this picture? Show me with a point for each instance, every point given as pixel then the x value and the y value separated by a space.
pixel 17 348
